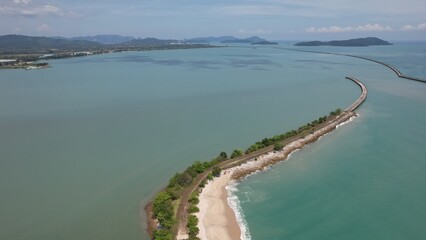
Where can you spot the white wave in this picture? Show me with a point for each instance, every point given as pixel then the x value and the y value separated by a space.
pixel 289 155
pixel 233 200
pixel 235 205
pixel 346 122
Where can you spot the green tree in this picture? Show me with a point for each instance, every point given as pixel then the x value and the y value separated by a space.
pixel 202 183
pixel 163 234
pixel 222 156
pixel 174 192
pixel 193 208
pixel 191 171
pixel 192 226
pixel 194 198
pixel 216 171
pixel 184 179
pixel 278 146
pixel 236 153
pixel 336 112
pixel 198 167
pixel 162 207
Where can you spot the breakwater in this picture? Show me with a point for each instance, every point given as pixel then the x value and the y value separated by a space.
pixel 250 162
pixel 394 69
pixel 256 164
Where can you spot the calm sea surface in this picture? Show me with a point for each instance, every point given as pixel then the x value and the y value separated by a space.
pixel 364 181
pixel 85 144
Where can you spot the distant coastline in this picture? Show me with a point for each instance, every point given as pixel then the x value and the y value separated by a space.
pixel 264 43
pixel 26 52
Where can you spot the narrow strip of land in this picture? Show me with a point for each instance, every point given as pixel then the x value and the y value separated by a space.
pixel 303 138
pixel 394 69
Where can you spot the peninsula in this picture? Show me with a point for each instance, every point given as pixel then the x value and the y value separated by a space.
pixel 358 42
pixel 208 215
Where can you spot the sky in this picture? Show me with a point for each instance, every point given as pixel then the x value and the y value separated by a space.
pixel 180 19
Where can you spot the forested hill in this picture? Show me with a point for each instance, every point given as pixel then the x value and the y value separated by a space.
pixel 358 42
pixel 19 44
pixel 25 44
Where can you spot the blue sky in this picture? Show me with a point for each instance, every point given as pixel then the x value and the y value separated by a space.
pixel 178 19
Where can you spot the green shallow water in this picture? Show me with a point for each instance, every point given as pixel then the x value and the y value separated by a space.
pixel 85 144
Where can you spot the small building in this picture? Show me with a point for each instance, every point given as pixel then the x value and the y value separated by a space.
pixel 81 53
pixel 46 56
pixel 6 62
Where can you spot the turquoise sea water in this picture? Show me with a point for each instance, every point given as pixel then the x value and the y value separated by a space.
pixel 85 144
pixel 364 181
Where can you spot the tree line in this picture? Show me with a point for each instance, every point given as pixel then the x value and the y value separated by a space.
pixel 163 209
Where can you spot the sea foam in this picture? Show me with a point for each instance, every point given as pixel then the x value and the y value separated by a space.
pixel 235 205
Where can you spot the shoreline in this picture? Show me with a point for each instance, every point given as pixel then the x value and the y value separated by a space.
pixel 271 158
pixel 188 224
pixel 216 223
pixel 216 219
pixel 261 163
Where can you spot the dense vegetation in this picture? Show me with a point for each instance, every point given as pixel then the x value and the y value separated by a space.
pixel 12 46
pixel 236 153
pixel 163 209
pixel 279 138
pixel 358 42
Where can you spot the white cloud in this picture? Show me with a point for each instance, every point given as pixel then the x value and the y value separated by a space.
pixel 408 27
pixel 250 10
pixel 43 28
pixel 256 31
pixel 390 8
pixel 44 10
pixel 27 8
pixel 337 29
pixel 25 2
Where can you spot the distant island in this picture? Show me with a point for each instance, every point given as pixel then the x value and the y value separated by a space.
pixel 264 43
pixel 358 42
pixel 224 39
pixel 245 40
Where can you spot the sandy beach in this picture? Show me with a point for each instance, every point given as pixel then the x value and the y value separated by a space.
pixel 216 216
pixel 216 220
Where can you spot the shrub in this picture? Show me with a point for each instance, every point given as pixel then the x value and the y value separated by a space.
pixel 192 226
pixel 236 153
pixel 163 234
pixel 222 156
pixel 193 208
pixel 278 146
pixel 216 171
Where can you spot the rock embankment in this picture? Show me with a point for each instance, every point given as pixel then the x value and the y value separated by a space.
pixel 259 164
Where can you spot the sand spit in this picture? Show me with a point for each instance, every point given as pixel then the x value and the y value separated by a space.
pixel 216 220
pixel 273 157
